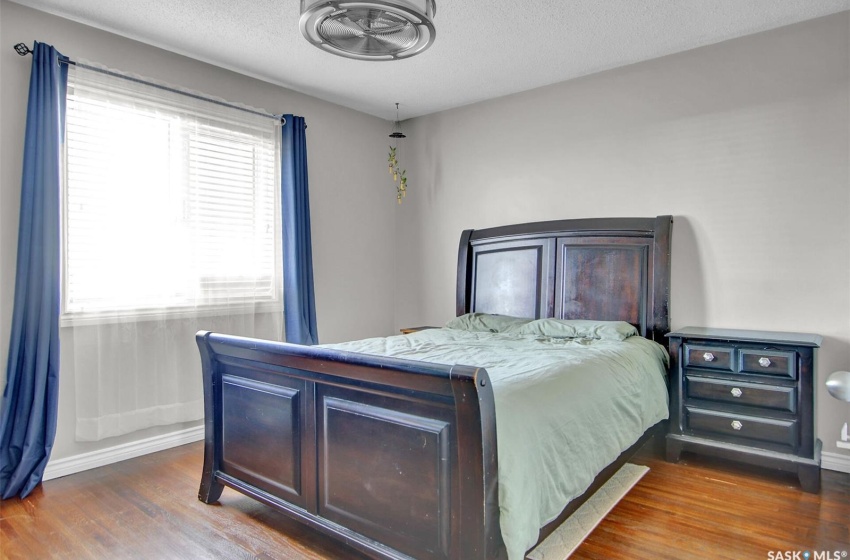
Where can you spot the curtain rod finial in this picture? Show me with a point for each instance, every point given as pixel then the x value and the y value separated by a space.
pixel 22 49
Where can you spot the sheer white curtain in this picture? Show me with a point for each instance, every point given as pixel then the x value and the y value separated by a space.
pixel 171 226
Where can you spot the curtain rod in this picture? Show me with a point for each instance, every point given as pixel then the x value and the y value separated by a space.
pixel 23 50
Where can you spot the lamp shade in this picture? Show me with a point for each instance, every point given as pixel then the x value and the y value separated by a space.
pixel 838 385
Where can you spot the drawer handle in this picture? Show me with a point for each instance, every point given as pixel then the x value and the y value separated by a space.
pixel 708 357
pixel 737 392
pixel 764 362
pixel 736 425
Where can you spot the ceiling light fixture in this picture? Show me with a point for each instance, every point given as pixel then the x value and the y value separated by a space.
pixel 379 30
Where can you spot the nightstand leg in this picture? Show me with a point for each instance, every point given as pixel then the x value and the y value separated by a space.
pixel 674 450
pixel 809 476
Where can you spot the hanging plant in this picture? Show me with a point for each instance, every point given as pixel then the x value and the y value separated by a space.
pixel 399 177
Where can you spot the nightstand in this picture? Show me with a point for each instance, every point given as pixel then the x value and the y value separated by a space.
pixel 746 396
pixel 408 330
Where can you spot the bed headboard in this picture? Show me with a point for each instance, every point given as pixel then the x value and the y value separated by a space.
pixel 599 268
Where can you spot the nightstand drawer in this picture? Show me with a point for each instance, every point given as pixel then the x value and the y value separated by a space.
pixel 782 432
pixel 711 357
pixel 736 392
pixel 769 362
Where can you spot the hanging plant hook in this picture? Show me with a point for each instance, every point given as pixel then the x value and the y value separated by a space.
pixel 397 133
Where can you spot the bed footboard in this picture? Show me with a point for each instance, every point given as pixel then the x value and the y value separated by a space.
pixel 394 457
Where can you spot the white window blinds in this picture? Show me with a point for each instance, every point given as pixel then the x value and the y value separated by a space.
pixel 170 202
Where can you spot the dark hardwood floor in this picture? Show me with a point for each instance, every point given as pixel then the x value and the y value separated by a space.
pixel 148 508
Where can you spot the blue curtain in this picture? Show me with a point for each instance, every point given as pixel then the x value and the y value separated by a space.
pixel 299 300
pixel 29 408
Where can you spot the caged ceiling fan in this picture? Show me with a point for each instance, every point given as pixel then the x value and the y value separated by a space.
pixel 379 30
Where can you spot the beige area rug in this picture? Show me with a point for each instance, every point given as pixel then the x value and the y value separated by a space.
pixel 566 538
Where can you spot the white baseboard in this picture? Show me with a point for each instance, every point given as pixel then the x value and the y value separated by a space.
pixel 835 462
pixel 86 461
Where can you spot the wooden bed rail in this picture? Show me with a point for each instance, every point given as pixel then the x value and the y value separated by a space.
pixel 395 457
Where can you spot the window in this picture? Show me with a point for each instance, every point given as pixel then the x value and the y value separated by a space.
pixel 171 203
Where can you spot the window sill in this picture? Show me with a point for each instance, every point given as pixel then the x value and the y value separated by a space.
pixel 169 313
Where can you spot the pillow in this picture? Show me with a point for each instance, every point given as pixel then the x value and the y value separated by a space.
pixel 578 328
pixel 485 322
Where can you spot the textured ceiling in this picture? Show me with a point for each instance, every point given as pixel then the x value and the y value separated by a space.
pixel 482 49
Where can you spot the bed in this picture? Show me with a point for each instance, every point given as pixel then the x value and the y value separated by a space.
pixel 399 458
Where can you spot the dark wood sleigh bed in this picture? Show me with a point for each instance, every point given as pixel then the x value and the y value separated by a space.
pixel 397 458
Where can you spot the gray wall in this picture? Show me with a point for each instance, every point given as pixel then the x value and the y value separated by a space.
pixel 352 200
pixel 744 142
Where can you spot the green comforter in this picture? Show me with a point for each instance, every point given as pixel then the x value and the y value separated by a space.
pixel 565 409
